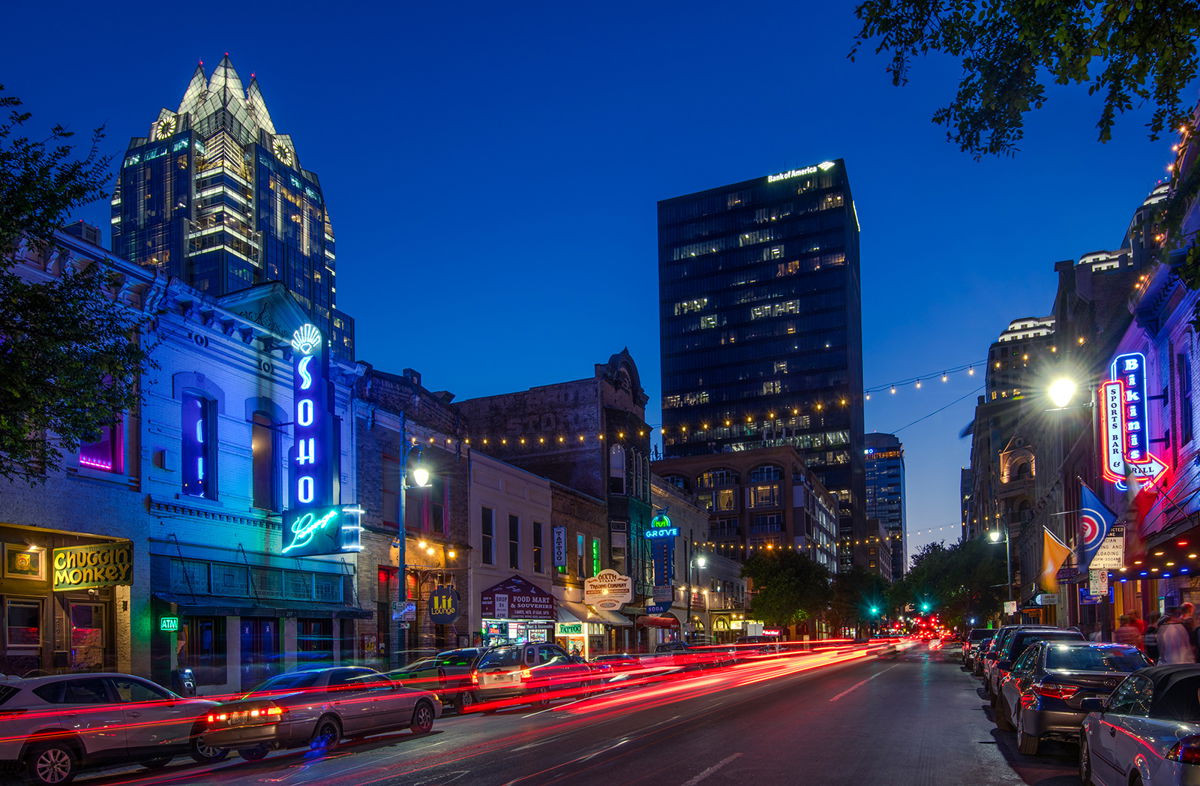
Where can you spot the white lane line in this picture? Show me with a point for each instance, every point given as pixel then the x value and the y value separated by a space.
pixel 860 683
pixel 711 770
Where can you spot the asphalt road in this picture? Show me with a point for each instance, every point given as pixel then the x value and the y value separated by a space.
pixel 917 719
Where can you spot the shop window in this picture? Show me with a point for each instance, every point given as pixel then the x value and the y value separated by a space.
pixel 87 636
pixel 488 528
pixel 24 623
pixel 205 650
pixel 514 542
pixel 264 448
pixel 314 641
pixel 106 452
pixel 537 547
pixel 199 438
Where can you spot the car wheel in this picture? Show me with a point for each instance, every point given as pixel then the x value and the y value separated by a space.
pixel 156 764
pixel 253 754
pixel 422 719
pixel 1085 761
pixel 1002 715
pixel 540 699
pixel 327 735
pixel 205 754
pixel 466 700
pixel 51 763
pixel 1027 744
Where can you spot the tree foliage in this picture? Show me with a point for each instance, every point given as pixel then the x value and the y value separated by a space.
pixel 1128 53
pixel 69 350
pixel 789 587
pixel 855 592
pixel 959 581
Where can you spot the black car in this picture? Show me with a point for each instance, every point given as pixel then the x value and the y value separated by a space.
pixel 1043 694
pixel 1015 644
pixel 974 639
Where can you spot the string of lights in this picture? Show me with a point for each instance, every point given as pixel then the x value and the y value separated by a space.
pixel 919 381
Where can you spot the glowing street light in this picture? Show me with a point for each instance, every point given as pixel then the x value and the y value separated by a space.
pixel 1062 392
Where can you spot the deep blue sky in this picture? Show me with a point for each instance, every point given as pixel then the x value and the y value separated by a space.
pixel 492 172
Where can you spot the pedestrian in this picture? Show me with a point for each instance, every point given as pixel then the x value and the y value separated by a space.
pixel 1150 642
pixel 1135 616
pixel 1174 644
pixel 1187 616
pixel 1128 633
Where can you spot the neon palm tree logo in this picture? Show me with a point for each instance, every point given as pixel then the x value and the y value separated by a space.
pixel 306 339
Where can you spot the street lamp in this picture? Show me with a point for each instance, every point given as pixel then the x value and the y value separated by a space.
pixel 698 561
pixel 994 537
pixel 1062 392
pixel 421 477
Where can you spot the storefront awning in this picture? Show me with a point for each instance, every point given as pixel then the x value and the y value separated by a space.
pixel 577 611
pixel 658 622
pixel 614 619
pixel 215 606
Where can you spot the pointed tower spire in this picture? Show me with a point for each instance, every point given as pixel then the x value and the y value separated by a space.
pixel 195 90
pixel 258 107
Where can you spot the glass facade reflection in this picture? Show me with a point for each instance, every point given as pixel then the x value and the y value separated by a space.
pixel 762 328
pixel 215 196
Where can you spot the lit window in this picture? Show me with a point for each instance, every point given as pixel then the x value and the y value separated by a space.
pixel 199 446
pixel 106 452
pixel 264 449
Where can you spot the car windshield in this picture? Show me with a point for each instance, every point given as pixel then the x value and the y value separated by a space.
pixel 297 680
pixel 1094 659
pixel 501 656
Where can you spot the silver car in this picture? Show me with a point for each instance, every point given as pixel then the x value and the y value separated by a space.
pixel 317 708
pixel 1147 732
pixel 53 726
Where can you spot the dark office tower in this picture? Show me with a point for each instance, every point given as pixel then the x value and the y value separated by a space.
pixel 215 196
pixel 885 495
pixel 762 326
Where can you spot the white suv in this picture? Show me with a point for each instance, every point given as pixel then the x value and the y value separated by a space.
pixel 52 726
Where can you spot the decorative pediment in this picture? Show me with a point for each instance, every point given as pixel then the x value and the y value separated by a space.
pixel 268 305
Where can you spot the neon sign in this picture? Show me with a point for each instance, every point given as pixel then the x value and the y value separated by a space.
pixel 660 527
pixel 327 530
pixel 1125 427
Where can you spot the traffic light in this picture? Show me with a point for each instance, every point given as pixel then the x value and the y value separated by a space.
pixel 874 611
pixel 925 607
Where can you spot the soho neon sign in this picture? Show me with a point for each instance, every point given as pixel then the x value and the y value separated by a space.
pixel 309 417
pixel 1124 424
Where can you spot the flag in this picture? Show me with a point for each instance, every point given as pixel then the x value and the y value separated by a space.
pixel 1054 554
pixel 1095 521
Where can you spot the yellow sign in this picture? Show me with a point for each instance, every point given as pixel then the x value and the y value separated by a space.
pixel 92 567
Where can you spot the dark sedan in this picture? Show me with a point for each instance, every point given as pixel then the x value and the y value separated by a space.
pixel 317 708
pixel 1042 696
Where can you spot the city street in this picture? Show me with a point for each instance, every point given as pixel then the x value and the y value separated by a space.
pixel 917 719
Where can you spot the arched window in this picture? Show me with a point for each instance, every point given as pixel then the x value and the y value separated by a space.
pixel 1024 470
pixel 198 419
pixel 616 470
pixel 264 449
pixel 716 478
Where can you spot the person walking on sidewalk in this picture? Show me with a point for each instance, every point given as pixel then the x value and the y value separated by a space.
pixel 1174 643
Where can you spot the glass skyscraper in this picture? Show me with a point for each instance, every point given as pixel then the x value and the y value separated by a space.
pixel 761 326
pixel 885 495
pixel 216 196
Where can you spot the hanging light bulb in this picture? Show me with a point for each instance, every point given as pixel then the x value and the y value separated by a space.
pixel 918 384
pixel 945 377
pixel 893 389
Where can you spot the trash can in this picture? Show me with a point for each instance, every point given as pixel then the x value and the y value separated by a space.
pixel 183 682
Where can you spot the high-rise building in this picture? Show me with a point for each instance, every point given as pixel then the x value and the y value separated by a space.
pixel 215 196
pixel 761 326
pixel 885 495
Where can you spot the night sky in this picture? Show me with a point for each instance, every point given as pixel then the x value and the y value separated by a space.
pixel 492 172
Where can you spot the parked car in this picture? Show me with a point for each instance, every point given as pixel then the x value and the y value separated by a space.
pixel 448 674
pixel 981 655
pixel 993 653
pixel 51 727
pixel 1042 695
pixel 318 708
pixel 975 638
pixel 1147 732
pixel 1017 642
pixel 533 671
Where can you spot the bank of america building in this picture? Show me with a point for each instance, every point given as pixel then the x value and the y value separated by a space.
pixel 216 196
pixel 761 325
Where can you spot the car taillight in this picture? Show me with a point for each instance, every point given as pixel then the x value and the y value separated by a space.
pixel 526 674
pixel 1053 691
pixel 1187 750
pixel 267 714
pixel 474 678
pixel 218 717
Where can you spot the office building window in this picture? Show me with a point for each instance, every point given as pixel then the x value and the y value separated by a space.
pixel 199 465
pixel 537 547
pixel 514 542
pixel 488 528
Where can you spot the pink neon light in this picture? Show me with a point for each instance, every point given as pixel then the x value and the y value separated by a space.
pixel 96 463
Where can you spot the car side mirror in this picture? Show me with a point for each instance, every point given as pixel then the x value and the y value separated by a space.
pixel 1092 704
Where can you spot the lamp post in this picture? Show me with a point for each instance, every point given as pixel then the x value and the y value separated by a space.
pixel 420 476
pixel 994 537
pixel 697 561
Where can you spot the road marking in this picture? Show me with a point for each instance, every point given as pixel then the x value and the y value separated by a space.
pixel 711 770
pixel 860 683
